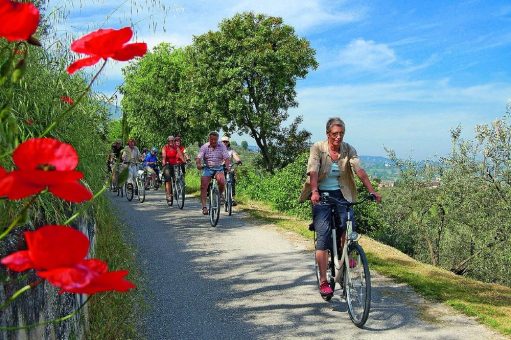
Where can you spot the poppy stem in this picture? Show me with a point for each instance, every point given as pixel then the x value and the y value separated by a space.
pixel 64 114
pixel 64 318
pixel 18 217
pixel 19 292
pixel 85 206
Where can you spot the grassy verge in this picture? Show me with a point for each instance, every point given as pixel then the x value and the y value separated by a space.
pixel 114 315
pixel 490 304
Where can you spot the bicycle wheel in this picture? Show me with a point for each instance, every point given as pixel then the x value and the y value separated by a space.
pixel 171 201
pixel 129 191
pixel 214 205
pixel 357 283
pixel 141 189
pixel 228 198
pixel 330 274
pixel 180 193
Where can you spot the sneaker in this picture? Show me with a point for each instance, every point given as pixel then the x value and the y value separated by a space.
pixel 168 197
pixel 353 263
pixel 234 203
pixel 325 289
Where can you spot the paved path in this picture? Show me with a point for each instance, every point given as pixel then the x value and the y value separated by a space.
pixel 247 280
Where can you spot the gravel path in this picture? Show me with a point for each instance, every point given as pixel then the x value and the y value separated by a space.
pixel 248 280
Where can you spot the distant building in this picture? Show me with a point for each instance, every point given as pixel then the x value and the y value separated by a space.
pixel 386 184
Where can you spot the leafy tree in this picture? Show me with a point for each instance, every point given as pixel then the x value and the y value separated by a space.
pixel 244 145
pixel 154 101
pixel 244 76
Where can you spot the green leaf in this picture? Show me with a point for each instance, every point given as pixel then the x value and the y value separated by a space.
pixel 123 176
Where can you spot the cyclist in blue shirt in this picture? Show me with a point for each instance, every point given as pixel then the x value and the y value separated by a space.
pixel 150 163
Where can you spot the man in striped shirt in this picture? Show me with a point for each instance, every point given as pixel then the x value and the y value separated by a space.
pixel 210 160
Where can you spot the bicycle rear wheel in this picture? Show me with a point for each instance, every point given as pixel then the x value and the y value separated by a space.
pixel 357 283
pixel 129 191
pixel 228 198
pixel 214 205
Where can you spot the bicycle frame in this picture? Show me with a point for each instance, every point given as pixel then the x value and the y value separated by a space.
pixel 350 237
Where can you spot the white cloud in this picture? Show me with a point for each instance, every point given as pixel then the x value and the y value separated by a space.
pixel 367 54
pixel 303 15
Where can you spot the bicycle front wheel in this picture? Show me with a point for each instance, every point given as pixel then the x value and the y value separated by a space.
pixel 129 191
pixel 180 193
pixel 357 283
pixel 141 189
pixel 214 205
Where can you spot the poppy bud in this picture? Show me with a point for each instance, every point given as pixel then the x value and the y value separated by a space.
pixel 19 70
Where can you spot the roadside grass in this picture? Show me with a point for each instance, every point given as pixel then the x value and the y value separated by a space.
pixel 489 303
pixel 115 315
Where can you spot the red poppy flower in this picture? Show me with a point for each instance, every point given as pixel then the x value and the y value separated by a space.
pixel 18 21
pixel 57 254
pixel 104 44
pixel 67 100
pixel 88 277
pixel 44 163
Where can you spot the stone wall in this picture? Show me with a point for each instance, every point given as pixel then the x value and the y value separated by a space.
pixel 42 303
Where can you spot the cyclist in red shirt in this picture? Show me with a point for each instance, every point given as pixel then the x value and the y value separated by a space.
pixel 168 160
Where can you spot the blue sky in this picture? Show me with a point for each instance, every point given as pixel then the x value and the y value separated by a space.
pixel 401 74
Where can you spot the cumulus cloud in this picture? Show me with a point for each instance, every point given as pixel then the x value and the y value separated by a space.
pixel 367 54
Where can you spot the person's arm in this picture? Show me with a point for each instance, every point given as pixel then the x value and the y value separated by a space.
pixel 362 174
pixel 236 157
pixel 163 156
pixel 198 159
pixel 314 187
pixel 313 173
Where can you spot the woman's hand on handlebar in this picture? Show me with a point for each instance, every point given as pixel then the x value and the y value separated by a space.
pixel 315 198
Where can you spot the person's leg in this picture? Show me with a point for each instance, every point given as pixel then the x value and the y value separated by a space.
pixel 221 184
pixel 204 182
pixel 321 220
pixel 167 174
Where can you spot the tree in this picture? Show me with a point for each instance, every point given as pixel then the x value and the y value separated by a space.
pixel 244 145
pixel 154 101
pixel 244 76
pixel 462 221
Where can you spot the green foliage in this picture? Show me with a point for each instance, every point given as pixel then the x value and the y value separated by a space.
pixel 244 77
pixel 456 213
pixel 155 100
pixel 114 130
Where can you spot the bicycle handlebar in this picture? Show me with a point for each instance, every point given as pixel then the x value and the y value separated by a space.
pixel 326 199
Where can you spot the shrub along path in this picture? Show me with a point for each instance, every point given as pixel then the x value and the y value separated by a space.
pixel 249 279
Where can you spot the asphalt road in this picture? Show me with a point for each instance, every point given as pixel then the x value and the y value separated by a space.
pixel 248 280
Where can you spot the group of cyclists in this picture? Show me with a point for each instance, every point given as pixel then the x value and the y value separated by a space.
pixel 214 160
pixel 331 170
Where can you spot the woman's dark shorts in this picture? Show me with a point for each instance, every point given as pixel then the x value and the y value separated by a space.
pixel 168 172
pixel 321 219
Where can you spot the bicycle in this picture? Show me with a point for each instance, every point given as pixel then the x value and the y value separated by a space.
pixel 178 186
pixel 131 183
pixel 213 200
pixel 140 184
pixel 229 184
pixel 348 267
